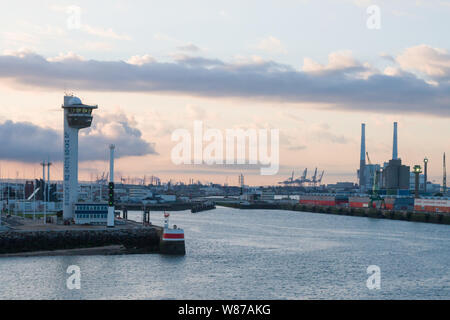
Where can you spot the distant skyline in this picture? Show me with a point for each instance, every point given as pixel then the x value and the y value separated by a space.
pixel 312 69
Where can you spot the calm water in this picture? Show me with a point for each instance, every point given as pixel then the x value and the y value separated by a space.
pixel 255 254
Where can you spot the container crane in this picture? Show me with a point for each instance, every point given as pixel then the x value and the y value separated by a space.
pixel 314 178
pixel 320 178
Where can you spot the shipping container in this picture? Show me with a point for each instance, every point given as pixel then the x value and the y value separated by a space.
pixel 432 204
pixel 359 202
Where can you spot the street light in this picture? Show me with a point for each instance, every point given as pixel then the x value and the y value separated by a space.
pixel 425 178
pixel 417 171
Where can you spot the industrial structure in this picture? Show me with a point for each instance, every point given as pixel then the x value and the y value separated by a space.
pixel 303 181
pixel 362 159
pixel 392 177
pixel 76 116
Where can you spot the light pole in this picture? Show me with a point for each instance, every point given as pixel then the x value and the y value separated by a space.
pixel 425 173
pixel 417 171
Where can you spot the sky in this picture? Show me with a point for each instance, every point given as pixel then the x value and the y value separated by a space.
pixel 314 70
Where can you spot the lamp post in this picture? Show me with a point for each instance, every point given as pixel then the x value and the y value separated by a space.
pixel 417 171
pixel 425 173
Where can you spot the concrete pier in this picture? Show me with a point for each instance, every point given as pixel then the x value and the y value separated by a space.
pixel 132 237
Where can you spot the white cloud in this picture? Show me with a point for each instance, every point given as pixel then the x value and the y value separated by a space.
pixel 141 60
pixel 21 53
pixel 66 56
pixel 271 45
pixel 433 62
pixel 340 60
pixel 104 33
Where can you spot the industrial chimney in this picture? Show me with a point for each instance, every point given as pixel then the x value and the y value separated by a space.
pixel 395 144
pixel 362 162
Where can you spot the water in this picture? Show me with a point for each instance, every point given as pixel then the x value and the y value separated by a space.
pixel 255 254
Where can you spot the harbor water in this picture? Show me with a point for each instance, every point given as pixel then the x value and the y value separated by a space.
pixel 254 254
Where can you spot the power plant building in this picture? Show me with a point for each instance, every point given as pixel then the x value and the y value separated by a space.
pixel 395 176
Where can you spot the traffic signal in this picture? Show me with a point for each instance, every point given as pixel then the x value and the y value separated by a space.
pixel 111 194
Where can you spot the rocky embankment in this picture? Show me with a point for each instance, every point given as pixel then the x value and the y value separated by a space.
pixel 137 240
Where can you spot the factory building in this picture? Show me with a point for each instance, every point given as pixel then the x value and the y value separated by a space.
pixel 392 178
pixel 395 176
pixel 91 213
pixel 369 173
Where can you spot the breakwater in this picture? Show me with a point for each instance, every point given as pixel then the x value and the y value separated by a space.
pixel 203 206
pixel 440 218
pixel 136 240
pixel 177 206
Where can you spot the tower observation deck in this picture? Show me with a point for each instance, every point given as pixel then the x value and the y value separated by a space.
pixel 76 116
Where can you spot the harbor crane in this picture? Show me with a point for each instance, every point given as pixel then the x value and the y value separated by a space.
pixel 314 178
pixel 319 181
pixel 290 180
pixel 303 177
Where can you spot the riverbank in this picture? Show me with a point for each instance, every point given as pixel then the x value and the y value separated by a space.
pixel 438 218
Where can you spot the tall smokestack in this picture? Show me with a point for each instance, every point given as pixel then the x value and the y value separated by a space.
pixel 395 144
pixel 362 162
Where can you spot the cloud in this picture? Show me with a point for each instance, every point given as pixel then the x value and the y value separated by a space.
pixel 66 56
pixel 271 45
pixel 104 33
pixel 27 142
pixel 141 60
pixel 338 85
pixel 433 62
pixel 337 61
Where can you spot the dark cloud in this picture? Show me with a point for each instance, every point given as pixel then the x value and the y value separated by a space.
pixel 27 142
pixel 343 88
pixel 24 141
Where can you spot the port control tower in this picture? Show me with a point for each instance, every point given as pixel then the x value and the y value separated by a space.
pixel 76 116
